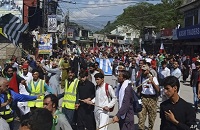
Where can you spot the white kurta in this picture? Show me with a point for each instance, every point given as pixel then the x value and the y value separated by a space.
pixel 22 90
pixel 101 99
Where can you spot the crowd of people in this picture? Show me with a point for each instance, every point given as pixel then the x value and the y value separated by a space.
pixel 31 91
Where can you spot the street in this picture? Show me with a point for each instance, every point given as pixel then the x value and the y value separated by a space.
pixel 185 92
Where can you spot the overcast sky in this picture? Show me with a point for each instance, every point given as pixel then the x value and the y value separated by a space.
pixel 97 12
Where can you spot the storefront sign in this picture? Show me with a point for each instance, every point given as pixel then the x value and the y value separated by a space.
pixel 189 32
pixel 52 23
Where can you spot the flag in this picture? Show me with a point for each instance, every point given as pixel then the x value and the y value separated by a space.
pixel 143 51
pixel 161 48
pixel 12 27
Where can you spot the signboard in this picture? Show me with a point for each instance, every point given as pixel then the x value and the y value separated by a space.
pixel 106 65
pixel 11 6
pixel 52 23
pixel 188 32
pixel 45 43
pixel 70 32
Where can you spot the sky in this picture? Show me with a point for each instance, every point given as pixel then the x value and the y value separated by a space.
pixel 96 13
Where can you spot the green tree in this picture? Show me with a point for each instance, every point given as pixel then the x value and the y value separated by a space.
pixel 162 15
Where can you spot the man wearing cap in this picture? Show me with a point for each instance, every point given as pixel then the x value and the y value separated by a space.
pixel 148 93
pixel 22 90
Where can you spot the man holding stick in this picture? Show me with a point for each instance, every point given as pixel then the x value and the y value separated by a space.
pixel 125 115
pixel 102 102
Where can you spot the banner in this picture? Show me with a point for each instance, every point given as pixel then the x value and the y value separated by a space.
pixel 106 65
pixel 45 43
pixel 52 23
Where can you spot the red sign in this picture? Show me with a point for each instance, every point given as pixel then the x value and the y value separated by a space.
pixel 166 32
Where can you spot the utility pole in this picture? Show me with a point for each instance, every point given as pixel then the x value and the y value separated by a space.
pixel 45 13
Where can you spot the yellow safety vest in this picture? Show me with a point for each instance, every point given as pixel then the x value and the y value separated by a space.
pixel 70 94
pixel 6 111
pixel 37 90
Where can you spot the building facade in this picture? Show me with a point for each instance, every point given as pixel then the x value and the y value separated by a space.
pixel 187 37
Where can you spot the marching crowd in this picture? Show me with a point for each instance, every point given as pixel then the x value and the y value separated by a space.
pixel 30 90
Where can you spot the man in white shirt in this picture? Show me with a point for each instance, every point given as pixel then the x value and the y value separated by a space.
pixel 148 92
pixel 163 72
pixel 177 72
pixel 102 101
pixel 24 109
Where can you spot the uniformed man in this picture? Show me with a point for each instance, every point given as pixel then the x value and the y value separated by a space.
pixel 37 86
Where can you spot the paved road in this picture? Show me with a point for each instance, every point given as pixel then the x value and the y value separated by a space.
pixel 185 92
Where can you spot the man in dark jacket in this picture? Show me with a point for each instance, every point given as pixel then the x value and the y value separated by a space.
pixel 85 91
pixel 194 82
pixel 172 114
pixel 125 115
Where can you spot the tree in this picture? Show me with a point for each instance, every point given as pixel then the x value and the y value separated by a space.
pixel 163 15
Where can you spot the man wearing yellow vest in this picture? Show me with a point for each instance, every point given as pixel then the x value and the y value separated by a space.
pixel 36 87
pixel 8 101
pixel 70 96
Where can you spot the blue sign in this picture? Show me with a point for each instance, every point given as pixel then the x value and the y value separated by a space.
pixel 189 32
pixel 106 65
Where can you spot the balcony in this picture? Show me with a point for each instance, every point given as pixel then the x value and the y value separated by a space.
pixel 188 5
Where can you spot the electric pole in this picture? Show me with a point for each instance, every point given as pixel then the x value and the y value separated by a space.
pixel 45 13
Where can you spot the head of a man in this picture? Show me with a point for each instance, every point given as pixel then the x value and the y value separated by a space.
pixel 99 78
pixel 175 64
pixel 171 86
pixel 123 75
pixel 145 70
pixel 141 63
pixel 71 74
pixel 41 119
pixel 197 64
pixel 54 65
pixel 91 68
pixel 25 69
pixel 9 71
pixel 3 85
pixel 133 63
pixel 50 102
pixel 35 74
pixel 83 76
pixel 96 65
pixel 164 64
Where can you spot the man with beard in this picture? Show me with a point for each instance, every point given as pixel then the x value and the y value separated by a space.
pixel 92 72
pixel 22 90
pixel 37 86
pixel 125 115
pixel 70 96
pixel 13 78
pixel 86 91
pixel 148 93
pixel 54 76
pixel 59 120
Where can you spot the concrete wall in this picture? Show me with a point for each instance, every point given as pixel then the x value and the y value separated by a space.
pixel 6 52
